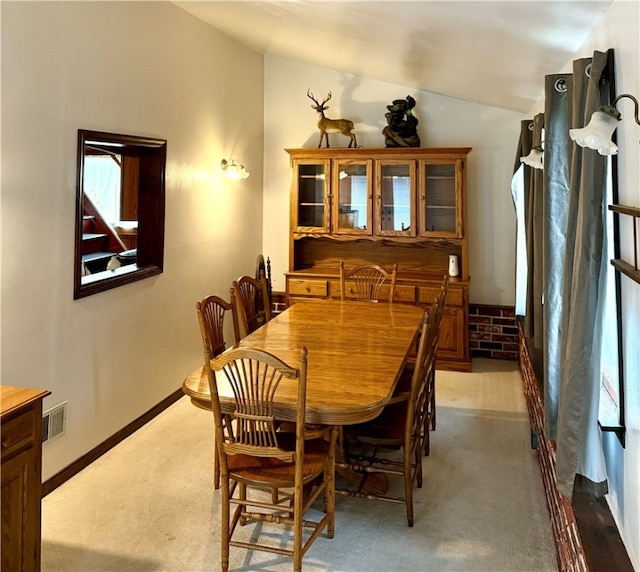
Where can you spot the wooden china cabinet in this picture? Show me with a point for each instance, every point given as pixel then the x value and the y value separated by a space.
pixel 21 427
pixel 384 206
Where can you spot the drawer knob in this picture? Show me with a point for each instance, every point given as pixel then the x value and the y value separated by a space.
pixel 307 288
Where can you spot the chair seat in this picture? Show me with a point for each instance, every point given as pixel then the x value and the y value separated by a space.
pixel 270 472
pixel 387 429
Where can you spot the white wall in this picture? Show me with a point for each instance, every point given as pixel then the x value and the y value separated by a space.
pixel 619 29
pixel 145 68
pixel 444 122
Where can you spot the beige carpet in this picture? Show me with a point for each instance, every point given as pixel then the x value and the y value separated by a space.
pixel 149 504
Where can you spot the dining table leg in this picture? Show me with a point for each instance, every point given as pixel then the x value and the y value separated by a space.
pixel 368 483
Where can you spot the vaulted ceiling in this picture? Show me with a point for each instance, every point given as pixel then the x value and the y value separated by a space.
pixel 494 53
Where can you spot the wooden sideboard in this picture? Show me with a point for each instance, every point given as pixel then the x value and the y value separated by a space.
pixel 21 426
pixel 384 206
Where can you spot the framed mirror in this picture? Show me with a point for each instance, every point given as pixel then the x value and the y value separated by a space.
pixel 119 235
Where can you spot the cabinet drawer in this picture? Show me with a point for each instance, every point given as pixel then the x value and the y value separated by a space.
pixel 17 433
pixel 306 287
pixel 405 293
pixel 454 297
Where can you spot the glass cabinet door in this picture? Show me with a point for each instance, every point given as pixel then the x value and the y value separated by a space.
pixel 440 194
pixel 352 197
pixel 395 198
pixel 312 186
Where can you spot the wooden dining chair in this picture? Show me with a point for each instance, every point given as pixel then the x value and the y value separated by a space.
pixel 367 281
pixel 399 426
pixel 249 295
pixel 252 301
pixel 254 456
pixel 211 312
pixel 263 268
pixel 430 413
pixel 404 384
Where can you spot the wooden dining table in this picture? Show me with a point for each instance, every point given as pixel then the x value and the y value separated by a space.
pixel 356 354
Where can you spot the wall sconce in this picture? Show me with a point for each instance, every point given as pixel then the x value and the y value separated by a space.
pixel 534 158
pixel 233 170
pixel 604 120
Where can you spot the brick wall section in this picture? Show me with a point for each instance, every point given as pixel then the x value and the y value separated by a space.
pixel 278 302
pixel 493 332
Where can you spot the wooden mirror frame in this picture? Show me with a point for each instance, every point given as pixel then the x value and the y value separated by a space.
pixel 152 156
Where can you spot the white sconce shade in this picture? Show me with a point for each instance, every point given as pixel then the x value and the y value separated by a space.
pixel 233 170
pixel 534 158
pixel 604 120
pixel 597 134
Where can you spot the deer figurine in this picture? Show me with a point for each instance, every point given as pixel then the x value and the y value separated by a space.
pixel 327 125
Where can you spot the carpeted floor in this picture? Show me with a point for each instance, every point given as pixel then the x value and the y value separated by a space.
pixel 149 504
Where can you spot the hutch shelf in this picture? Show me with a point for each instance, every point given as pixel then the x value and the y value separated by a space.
pixel 404 206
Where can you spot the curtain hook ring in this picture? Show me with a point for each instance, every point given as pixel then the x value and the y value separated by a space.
pixel 561 85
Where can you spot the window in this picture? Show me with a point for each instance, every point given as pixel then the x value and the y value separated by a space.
pixel 102 175
pixel 611 410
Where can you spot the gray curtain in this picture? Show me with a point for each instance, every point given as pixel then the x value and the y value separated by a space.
pixel 534 318
pixel 520 193
pixel 579 449
pixel 565 215
pixel 531 136
pixel 558 90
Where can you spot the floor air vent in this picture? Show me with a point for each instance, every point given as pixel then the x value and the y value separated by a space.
pixel 54 422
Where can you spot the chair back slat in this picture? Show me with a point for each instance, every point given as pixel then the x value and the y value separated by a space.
pixel 254 377
pixel 368 280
